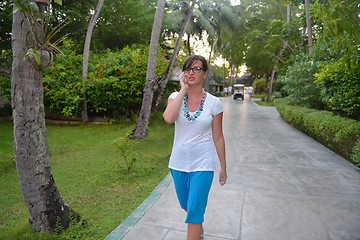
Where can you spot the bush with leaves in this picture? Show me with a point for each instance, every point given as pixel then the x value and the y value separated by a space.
pixel 5 77
pixel 298 82
pixel 127 153
pixel 356 153
pixel 260 86
pixel 114 87
pixel 62 83
pixel 5 87
pixel 340 85
pixel 117 79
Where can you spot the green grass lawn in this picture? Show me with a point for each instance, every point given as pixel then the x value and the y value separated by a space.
pixel 265 103
pixel 90 174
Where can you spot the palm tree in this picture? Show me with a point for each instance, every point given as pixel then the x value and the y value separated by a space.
pixel 215 17
pixel 94 17
pixel 163 82
pixel 46 206
pixel 308 25
pixel 141 127
pixel 285 44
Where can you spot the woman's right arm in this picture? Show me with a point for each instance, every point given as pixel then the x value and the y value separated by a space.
pixel 171 112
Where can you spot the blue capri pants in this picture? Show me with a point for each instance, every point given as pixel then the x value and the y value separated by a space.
pixel 192 190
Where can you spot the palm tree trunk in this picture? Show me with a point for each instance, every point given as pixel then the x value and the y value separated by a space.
pixel 141 128
pixel 308 25
pixel 42 198
pixel 163 82
pixel 188 45
pixel 94 17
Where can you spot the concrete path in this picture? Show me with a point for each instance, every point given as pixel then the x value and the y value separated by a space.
pixel 282 185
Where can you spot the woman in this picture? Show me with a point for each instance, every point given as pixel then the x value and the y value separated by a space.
pixel 198 127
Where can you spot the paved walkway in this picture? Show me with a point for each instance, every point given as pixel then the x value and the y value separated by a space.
pixel 282 185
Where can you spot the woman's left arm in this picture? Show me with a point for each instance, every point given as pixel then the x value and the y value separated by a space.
pixel 219 141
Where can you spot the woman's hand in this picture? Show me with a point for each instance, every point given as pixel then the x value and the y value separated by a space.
pixel 183 81
pixel 171 112
pixel 222 177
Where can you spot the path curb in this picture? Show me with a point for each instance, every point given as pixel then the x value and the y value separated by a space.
pixel 120 232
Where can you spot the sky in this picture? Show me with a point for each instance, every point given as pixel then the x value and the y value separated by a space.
pixel 235 2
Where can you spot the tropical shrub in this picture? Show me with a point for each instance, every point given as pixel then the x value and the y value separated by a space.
pixel 117 80
pixel 340 85
pixel 298 82
pixel 356 153
pixel 6 59
pixel 260 86
pixel 5 75
pixel 114 87
pixel 5 87
pixel 329 78
pixel 62 83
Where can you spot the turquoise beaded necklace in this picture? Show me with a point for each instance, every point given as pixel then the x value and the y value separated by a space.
pixel 186 109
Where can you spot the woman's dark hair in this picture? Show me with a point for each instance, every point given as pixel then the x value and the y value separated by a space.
pixel 193 58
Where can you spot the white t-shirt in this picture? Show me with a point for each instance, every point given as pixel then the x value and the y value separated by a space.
pixel 193 148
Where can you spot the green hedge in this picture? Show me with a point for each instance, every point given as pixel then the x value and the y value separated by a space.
pixel 337 133
pixel 114 87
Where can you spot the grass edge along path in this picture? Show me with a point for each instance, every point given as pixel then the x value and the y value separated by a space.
pixel 135 216
pixel 90 175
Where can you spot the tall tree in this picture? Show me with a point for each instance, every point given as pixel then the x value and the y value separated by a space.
pixel 94 17
pixel 308 26
pixel 279 55
pixel 266 33
pixel 46 206
pixel 77 13
pixel 141 127
pixel 163 82
pixel 124 23
pixel 223 19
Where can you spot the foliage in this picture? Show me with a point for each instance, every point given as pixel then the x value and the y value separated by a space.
pixel 77 13
pixel 117 80
pixel 260 86
pixel 62 83
pixel 114 87
pixel 5 24
pixel 219 72
pixel 334 71
pixel 172 86
pixel 298 82
pixel 337 133
pixel 5 87
pixel 5 63
pixel 340 85
pixel 123 23
pixel 42 39
pixel 330 16
pixel 127 153
pixel 265 103
pixel 356 153
pixel 330 76
pixel 85 165
pixel 264 32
